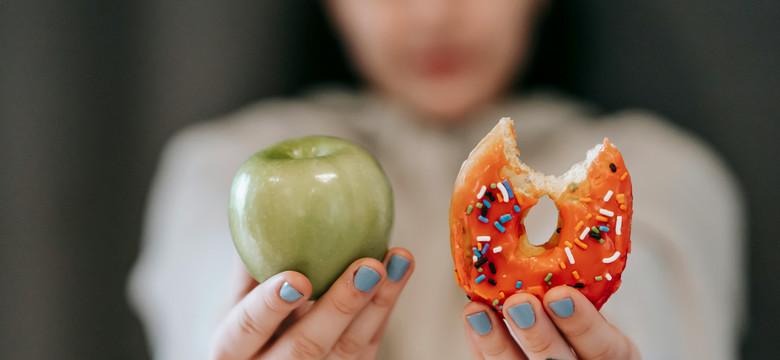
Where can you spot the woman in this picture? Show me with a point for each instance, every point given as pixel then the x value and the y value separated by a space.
pixel 437 77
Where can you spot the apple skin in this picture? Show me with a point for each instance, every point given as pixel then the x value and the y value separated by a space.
pixel 314 205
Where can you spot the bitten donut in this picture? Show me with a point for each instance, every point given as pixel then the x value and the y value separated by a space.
pixel 494 192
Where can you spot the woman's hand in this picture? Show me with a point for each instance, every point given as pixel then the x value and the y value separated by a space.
pixel 274 320
pixel 567 326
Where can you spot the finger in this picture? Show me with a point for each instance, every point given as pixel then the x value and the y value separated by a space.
pixel 533 329
pixel 591 336
pixel 314 335
pixel 256 317
pixel 488 334
pixel 476 354
pixel 399 265
pixel 372 349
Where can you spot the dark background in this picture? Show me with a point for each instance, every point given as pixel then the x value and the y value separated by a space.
pixel 90 90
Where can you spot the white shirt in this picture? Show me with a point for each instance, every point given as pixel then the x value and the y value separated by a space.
pixel 682 292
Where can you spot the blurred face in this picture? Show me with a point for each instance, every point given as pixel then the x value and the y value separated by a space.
pixel 441 58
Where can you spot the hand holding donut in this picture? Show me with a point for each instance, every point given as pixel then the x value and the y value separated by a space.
pixel 273 320
pixel 548 294
pixel 565 325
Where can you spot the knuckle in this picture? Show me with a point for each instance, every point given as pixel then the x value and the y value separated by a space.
pixel 383 300
pixel 248 321
pixel 345 306
pixel 539 344
pixel 304 347
pixel 496 351
pixel 580 329
pixel 272 306
pixel 347 347
pixel 248 324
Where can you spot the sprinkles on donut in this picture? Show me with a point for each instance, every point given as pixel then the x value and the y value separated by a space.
pixel 493 193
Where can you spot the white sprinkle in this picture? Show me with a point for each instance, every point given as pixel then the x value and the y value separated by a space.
pixel 584 233
pixel 474 258
pixel 612 258
pixel 497 249
pixel 569 255
pixel 618 225
pixel 608 276
pixel 608 196
pixel 482 192
pixel 483 238
pixel 504 194
pixel 606 212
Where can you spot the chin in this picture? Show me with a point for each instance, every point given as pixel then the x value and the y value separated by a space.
pixel 449 106
pixel 444 111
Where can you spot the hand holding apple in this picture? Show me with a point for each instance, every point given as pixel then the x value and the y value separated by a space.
pixel 313 205
pixel 274 320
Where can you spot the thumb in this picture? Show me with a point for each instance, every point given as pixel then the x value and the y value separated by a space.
pixel 254 319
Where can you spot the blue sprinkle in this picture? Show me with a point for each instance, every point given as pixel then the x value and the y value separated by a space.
pixel 479 278
pixel 499 227
pixel 517 208
pixel 476 252
pixel 518 285
pixel 528 179
pixel 487 203
pixel 483 219
pixel 508 189
pixel 504 218
pixel 484 249
pixel 501 307
pixel 603 228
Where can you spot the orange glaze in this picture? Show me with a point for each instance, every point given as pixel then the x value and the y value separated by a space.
pixel 530 264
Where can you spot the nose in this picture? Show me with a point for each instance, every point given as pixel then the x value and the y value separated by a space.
pixel 431 15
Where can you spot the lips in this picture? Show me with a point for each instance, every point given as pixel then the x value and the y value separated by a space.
pixel 440 62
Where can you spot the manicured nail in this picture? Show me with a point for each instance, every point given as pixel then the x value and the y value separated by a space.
pixel 523 315
pixel 480 323
pixel 563 308
pixel 366 278
pixel 396 268
pixel 288 293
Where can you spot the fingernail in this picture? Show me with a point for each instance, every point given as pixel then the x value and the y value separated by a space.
pixel 480 323
pixel 523 315
pixel 563 308
pixel 288 293
pixel 396 268
pixel 366 278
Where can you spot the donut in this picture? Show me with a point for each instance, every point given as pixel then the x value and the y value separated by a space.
pixel 493 193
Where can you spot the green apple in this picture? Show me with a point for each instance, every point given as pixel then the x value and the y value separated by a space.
pixel 314 205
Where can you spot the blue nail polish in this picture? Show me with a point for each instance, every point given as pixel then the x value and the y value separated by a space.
pixel 480 323
pixel 396 268
pixel 288 293
pixel 366 278
pixel 523 315
pixel 563 308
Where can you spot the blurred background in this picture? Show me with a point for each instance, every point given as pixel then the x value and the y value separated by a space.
pixel 90 91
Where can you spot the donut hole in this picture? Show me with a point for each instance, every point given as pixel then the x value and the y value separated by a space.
pixel 542 220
